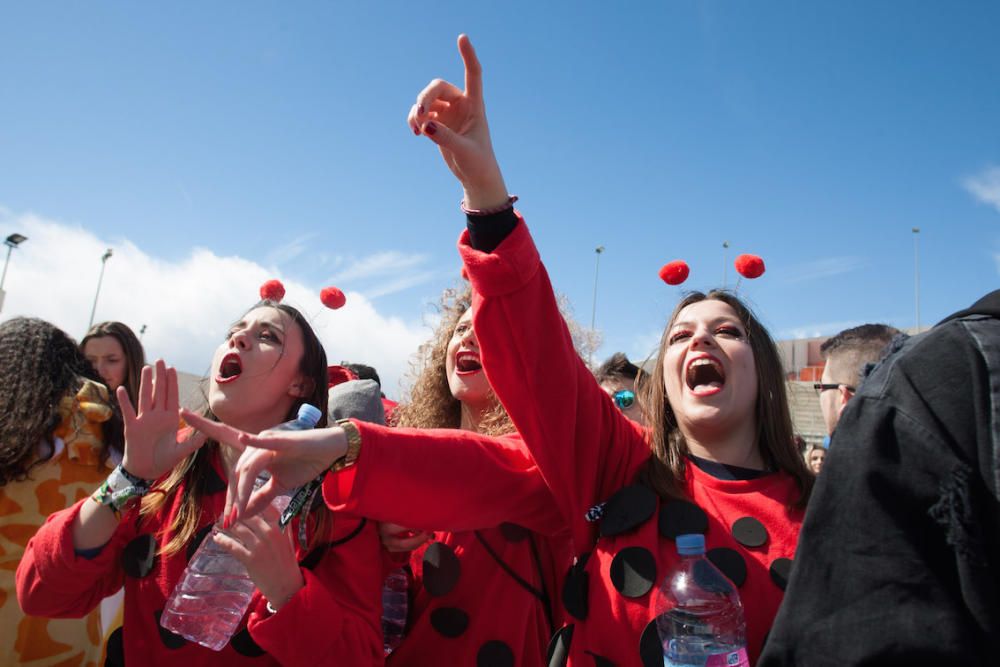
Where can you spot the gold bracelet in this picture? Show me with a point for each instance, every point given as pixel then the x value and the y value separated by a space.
pixel 353 445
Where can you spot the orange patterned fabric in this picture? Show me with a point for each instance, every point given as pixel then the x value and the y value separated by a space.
pixel 72 473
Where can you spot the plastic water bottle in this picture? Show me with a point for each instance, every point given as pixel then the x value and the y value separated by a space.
pixel 208 603
pixel 699 615
pixel 395 602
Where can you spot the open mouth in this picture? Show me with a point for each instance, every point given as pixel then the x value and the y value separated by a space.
pixel 705 376
pixel 467 363
pixel 230 368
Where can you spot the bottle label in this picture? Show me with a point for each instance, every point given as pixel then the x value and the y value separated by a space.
pixel 731 659
pixel 736 658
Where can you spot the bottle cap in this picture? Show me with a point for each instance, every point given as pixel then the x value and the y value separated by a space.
pixel 692 544
pixel 309 414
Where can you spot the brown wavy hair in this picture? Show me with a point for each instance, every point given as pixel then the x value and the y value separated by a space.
pixel 665 469
pixel 135 356
pixel 195 472
pixel 40 364
pixel 431 404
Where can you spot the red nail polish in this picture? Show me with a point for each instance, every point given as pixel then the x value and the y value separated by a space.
pixel 416 131
pixel 430 128
pixel 420 110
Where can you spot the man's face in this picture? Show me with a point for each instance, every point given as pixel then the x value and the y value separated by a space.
pixel 832 401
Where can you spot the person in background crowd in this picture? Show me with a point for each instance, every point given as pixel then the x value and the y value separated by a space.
pixel 847 354
pixel 117 354
pixel 318 585
pixel 58 428
pixel 814 457
pixel 622 380
pixel 899 556
pixel 365 372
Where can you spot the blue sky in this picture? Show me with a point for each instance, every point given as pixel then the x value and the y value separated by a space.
pixel 275 134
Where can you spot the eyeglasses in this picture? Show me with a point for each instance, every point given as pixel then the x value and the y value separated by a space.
pixel 820 387
pixel 623 398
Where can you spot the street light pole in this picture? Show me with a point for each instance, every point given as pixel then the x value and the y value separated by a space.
pixel 104 261
pixel 593 312
pixel 11 242
pixel 916 274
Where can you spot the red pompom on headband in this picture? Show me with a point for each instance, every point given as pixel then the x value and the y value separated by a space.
pixel 675 272
pixel 749 266
pixel 331 296
pixel 272 290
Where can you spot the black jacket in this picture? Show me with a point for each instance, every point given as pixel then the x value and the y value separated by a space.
pixel 899 556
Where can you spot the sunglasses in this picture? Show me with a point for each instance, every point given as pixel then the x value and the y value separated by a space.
pixel 820 387
pixel 623 398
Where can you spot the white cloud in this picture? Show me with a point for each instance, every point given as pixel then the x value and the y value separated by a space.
pixel 645 346
pixel 380 263
pixel 819 268
pixel 289 251
pixel 816 330
pixel 187 305
pixel 985 186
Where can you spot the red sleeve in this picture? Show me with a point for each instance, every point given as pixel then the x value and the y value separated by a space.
pixel 335 619
pixel 53 581
pixel 585 448
pixel 443 479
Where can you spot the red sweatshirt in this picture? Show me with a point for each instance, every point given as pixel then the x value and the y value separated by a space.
pixel 588 452
pixel 333 620
pixel 488 593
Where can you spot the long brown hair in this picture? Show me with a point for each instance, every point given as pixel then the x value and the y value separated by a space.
pixel 135 356
pixel 431 404
pixel 664 471
pixel 196 473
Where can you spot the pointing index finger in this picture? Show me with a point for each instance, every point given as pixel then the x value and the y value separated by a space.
pixel 473 70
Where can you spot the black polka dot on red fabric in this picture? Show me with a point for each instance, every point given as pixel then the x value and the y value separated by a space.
pixel 633 571
pixel 441 569
pixel 730 562
pixel 450 621
pixel 750 532
pixel 169 639
pixel 115 650
pixel 650 649
pixel 576 589
pixel 680 517
pixel 196 541
pixel 244 644
pixel 513 532
pixel 495 653
pixel 600 660
pixel 780 570
pixel 558 652
pixel 139 556
pixel 630 507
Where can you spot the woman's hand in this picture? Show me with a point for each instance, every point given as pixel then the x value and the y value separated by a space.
pixel 268 554
pixel 396 538
pixel 151 445
pixel 455 120
pixel 293 458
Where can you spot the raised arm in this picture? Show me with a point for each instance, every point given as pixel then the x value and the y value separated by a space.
pixel 585 449
pixel 440 479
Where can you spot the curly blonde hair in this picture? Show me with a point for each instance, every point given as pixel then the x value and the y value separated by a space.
pixel 431 404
